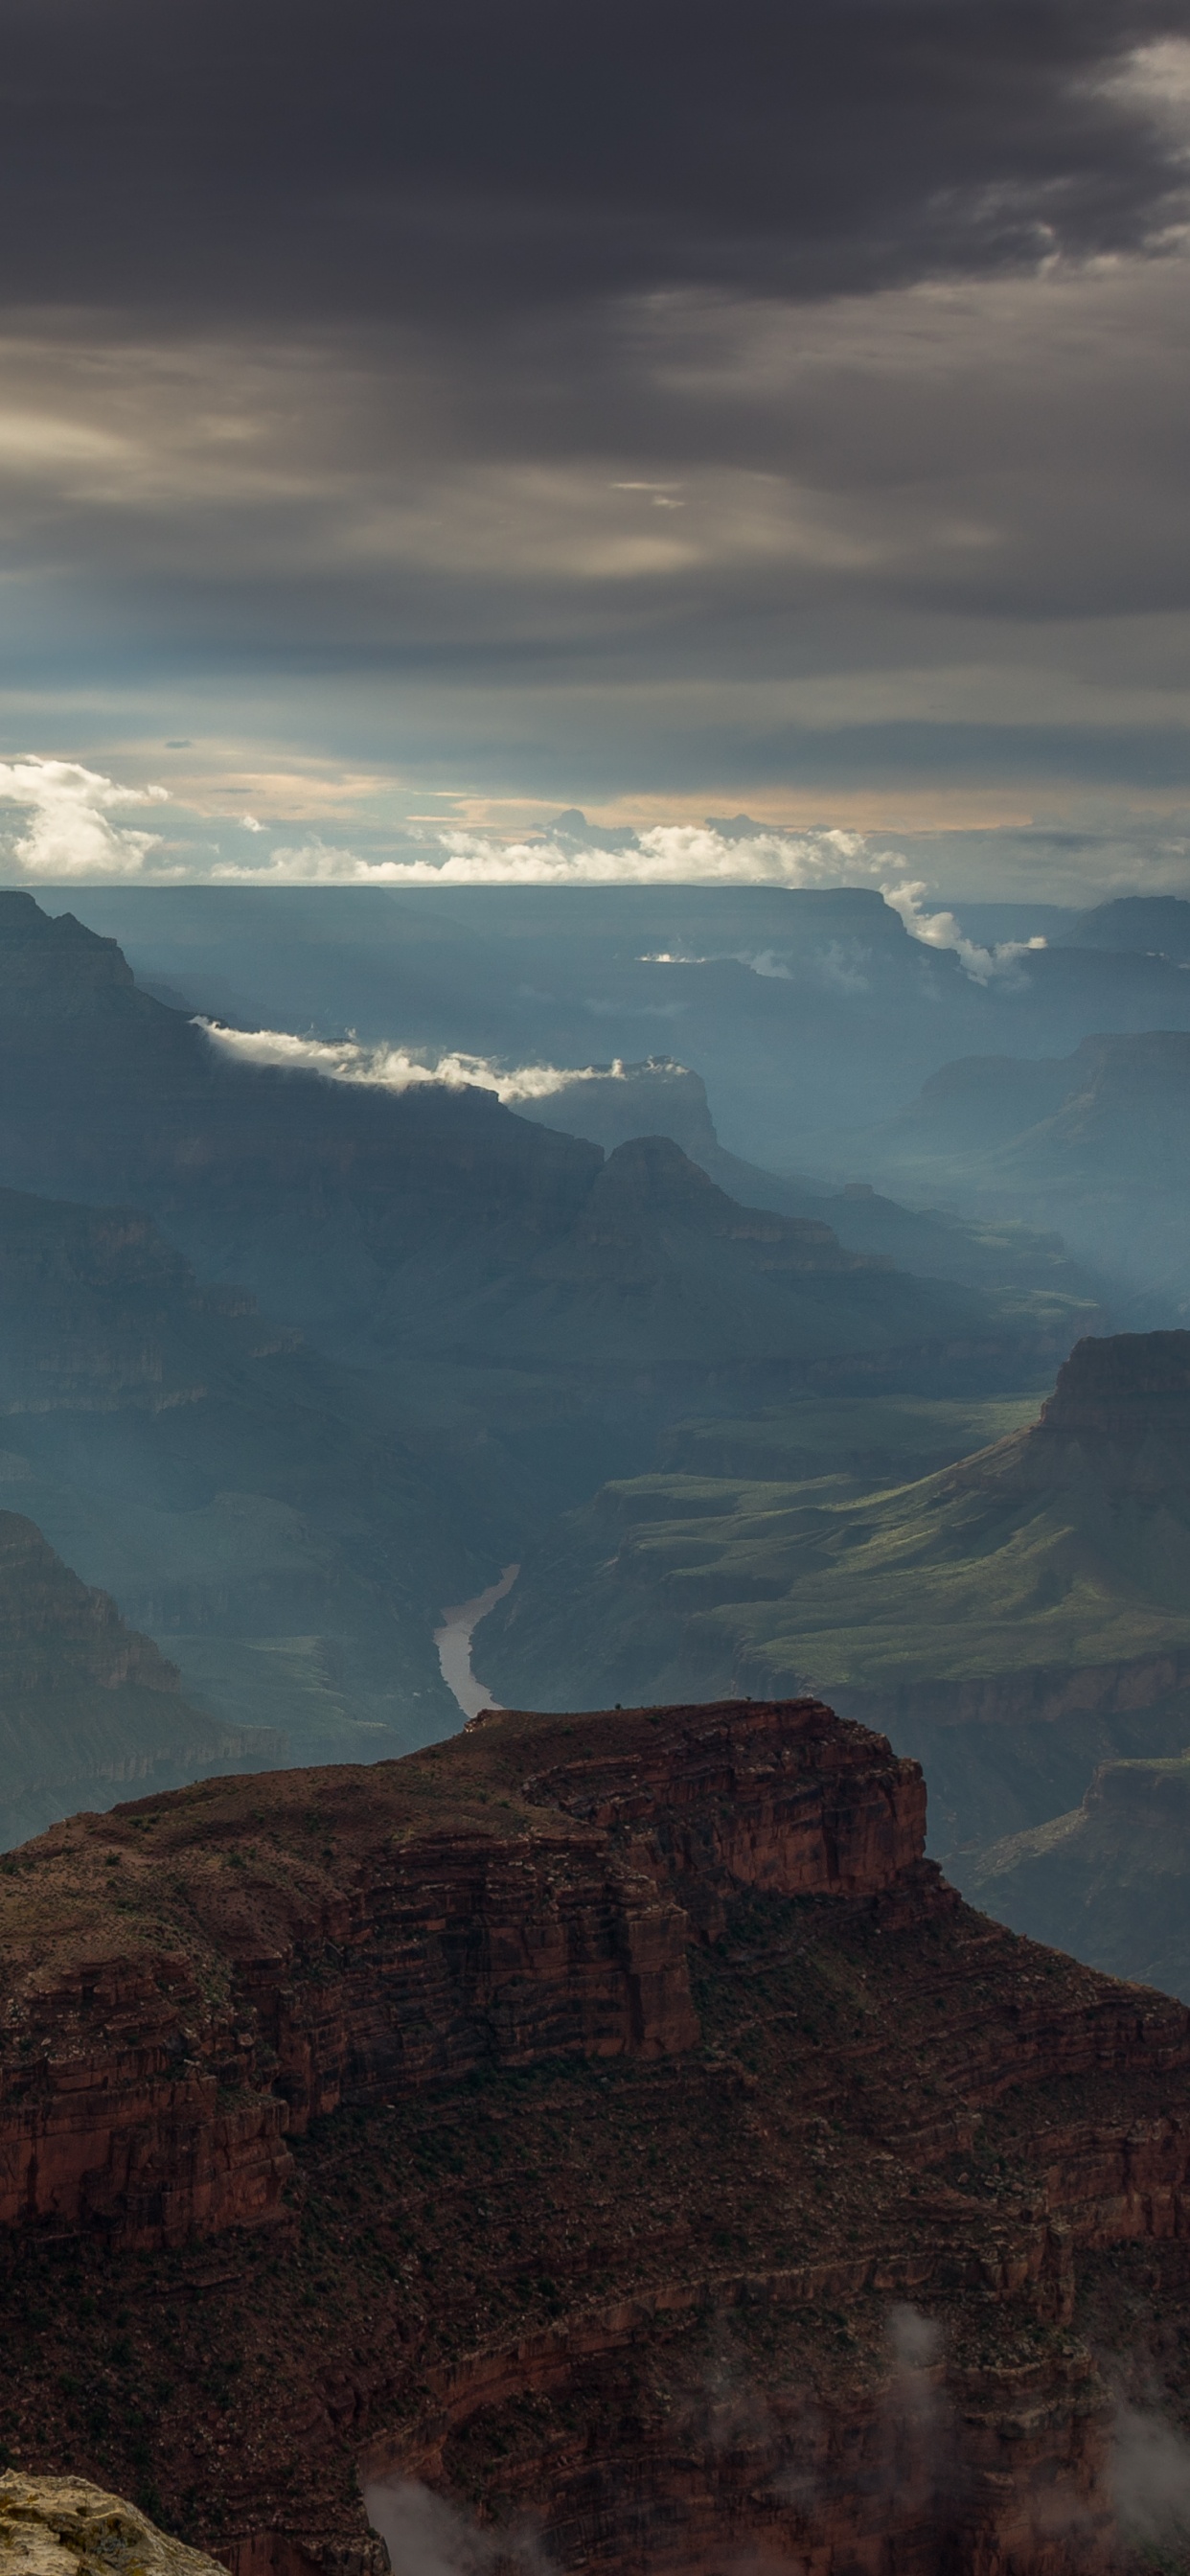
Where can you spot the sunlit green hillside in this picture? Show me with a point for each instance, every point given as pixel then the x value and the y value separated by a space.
pixel 689 1580
pixel 978 1592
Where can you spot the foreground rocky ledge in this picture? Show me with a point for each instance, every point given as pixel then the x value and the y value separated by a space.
pixel 66 2527
pixel 611 2118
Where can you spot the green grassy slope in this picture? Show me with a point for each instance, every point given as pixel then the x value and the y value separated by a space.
pixel 962 1601
pixel 775 1540
pixel 964 1572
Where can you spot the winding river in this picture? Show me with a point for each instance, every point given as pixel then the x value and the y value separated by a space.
pixel 453 1641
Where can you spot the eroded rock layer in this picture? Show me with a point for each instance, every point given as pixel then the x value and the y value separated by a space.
pixel 380 1930
pixel 612 2122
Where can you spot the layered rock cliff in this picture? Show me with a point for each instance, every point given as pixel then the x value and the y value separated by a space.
pixel 661 1097
pixel 449 1950
pixel 611 2120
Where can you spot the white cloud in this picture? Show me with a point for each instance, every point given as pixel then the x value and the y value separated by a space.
pixel 316 862
pixel 666 854
pixel 1156 79
pixel 70 833
pixel 397 1068
pixel 762 961
pixel 941 930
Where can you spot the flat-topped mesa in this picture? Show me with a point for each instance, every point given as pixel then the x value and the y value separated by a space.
pixel 775 1794
pixel 190 1976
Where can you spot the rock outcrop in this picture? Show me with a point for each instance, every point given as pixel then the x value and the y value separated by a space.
pixel 1130 1396
pixel 607 2120
pixel 661 1097
pixel 66 2527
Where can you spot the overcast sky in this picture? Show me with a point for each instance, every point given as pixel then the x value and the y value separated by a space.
pixel 418 418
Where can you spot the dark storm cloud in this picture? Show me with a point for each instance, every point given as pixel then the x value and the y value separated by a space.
pixel 572 402
pixel 372 159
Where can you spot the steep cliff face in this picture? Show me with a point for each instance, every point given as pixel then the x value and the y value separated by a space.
pixel 107 1093
pixel 56 1633
pixel 612 2120
pixel 450 1948
pixel 85 1703
pixel 1130 1397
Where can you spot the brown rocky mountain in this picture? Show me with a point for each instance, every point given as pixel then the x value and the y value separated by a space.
pixel 609 2123
pixel 87 1705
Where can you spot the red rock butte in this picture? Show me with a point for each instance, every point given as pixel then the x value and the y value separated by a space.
pixel 611 2119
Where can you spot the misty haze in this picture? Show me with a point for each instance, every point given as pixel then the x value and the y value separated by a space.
pixel 595 1289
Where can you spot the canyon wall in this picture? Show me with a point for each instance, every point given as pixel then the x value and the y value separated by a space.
pixel 1000 1748
pixel 612 2124
pixel 450 1947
